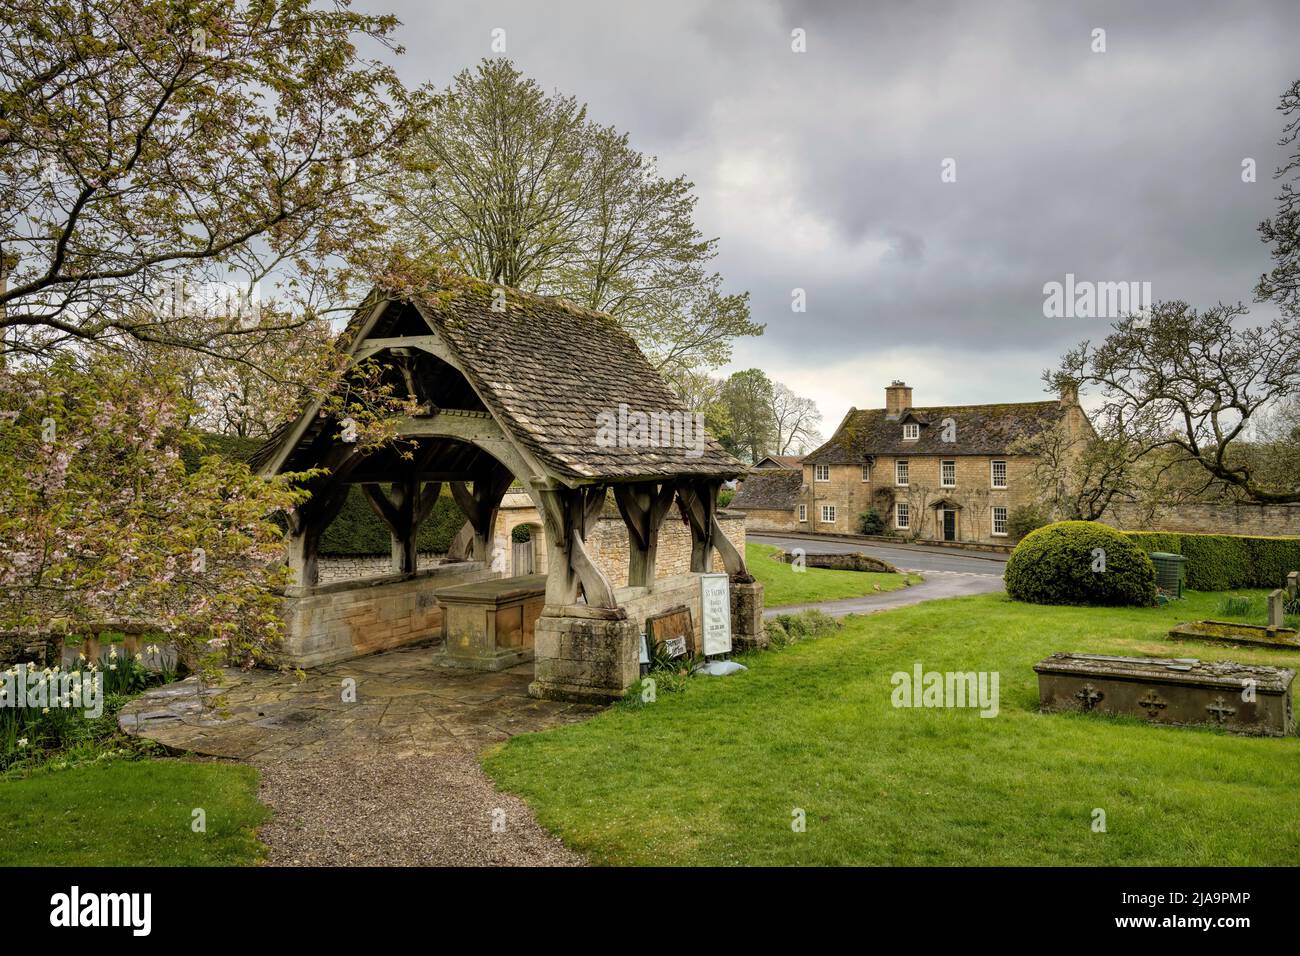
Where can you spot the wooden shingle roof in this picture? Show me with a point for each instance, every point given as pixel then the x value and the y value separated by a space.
pixel 551 374
pixel 978 430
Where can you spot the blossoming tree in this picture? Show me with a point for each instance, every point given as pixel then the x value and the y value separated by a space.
pixel 102 524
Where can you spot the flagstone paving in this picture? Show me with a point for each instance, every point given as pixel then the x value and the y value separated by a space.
pixel 387 777
pixel 402 703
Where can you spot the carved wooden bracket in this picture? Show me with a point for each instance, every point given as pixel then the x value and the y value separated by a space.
pixel 567 513
pixel 698 501
pixel 403 509
pixel 480 505
pixel 643 506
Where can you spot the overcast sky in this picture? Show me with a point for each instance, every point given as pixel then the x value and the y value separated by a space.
pixel 821 170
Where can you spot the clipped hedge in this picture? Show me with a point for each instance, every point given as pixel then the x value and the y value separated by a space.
pixel 1224 562
pixel 357 531
pixel 1054 565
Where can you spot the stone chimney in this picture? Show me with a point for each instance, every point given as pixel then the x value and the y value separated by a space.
pixel 1076 420
pixel 898 398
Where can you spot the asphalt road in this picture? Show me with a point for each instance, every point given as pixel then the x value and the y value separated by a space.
pixel 905 557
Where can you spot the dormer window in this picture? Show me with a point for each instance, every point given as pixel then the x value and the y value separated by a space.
pixel 911 431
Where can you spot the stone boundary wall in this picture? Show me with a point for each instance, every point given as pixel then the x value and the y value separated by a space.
pixel 764 519
pixel 336 622
pixel 841 562
pixel 335 568
pixel 1274 520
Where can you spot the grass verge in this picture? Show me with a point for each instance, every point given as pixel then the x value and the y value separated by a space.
pixel 784 586
pixel 716 773
pixel 133 813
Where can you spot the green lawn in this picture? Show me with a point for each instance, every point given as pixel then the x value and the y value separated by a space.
pixel 783 585
pixel 132 813
pixel 711 775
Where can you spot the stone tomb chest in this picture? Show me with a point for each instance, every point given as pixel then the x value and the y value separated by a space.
pixel 489 625
pixel 1242 698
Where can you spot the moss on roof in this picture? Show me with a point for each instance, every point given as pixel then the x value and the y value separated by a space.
pixel 978 430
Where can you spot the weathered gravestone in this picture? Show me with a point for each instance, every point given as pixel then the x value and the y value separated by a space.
pixel 1242 698
pixel 674 630
pixel 1277 608
pixel 1234 632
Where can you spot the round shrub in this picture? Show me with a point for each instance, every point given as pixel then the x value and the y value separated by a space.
pixel 1062 564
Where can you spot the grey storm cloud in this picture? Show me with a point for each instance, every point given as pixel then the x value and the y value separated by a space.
pixel 821 170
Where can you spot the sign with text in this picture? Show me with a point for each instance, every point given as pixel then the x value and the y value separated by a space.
pixel 715 613
pixel 672 630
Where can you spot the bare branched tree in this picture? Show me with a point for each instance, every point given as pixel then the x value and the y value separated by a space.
pixel 1190 383
pixel 795 421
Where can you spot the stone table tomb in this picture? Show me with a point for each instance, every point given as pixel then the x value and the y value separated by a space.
pixel 1241 698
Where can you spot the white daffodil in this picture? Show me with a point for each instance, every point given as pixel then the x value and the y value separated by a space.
pixel 22 741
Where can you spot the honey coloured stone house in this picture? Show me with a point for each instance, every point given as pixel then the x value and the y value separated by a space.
pixel 932 473
pixel 509 389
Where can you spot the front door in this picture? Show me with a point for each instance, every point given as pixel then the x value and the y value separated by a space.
pixel 949 525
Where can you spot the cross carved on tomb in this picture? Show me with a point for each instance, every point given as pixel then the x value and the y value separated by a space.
pixel 1220 709
pixel 1089 696
pixel 1152 702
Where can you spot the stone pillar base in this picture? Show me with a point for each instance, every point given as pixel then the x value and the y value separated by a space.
pixel 747 631
pixel 585 660
pixel 498 661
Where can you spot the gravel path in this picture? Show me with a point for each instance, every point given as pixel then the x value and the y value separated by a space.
pixel 381 810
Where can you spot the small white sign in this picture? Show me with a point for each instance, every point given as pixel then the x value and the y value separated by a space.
pixel 715 606
pixel 645 653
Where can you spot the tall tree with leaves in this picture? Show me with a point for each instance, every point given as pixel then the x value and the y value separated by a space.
pixel 522 188
pixel 152 148
pixel 748 398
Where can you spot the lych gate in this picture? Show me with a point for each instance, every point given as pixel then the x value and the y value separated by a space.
pixel 511 389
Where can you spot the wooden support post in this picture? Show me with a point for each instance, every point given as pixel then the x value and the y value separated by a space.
pixel 698 500
pixel 643 506
pixel 403 510
pixel 306 525
pixel 480 505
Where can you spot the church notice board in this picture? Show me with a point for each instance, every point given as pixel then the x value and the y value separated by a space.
pixel 715 613
pixel 672 630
